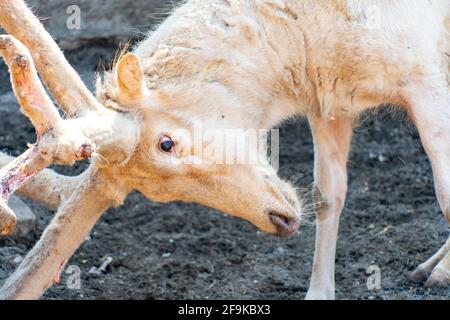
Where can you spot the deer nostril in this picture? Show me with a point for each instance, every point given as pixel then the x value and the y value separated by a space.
pixel 285 226
pixel 281 220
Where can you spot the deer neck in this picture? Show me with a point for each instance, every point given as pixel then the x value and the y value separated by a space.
pixel 234 50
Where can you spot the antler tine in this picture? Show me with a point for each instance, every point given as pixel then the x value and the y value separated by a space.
pixel 62 80
pixel 58 141
pixel 28 89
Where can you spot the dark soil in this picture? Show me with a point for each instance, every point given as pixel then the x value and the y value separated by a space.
pixel 185 251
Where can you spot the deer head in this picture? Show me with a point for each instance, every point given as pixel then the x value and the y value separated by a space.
pixel 139 137
pixel 179 157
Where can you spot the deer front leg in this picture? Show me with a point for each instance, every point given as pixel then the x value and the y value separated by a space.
pixel 331 145
pixel 62 237
pixel 429 109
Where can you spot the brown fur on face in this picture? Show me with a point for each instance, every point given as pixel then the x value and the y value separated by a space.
pixel 248 191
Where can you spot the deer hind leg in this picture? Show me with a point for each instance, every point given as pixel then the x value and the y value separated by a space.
pixel 332 144
pixel 430 110
pixel 61 238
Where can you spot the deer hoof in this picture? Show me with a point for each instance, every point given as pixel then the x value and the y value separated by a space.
pixel 420 274
pixel 320 295
pixel 438 278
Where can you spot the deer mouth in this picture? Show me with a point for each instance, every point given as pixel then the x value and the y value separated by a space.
pixel 285 226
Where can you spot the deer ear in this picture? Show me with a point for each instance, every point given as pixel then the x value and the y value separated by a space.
pixel 129 76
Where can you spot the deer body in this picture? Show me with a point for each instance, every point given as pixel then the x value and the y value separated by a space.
pixel 328 62
pixel 240 65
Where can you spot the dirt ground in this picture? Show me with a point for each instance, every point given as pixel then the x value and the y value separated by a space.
pixel 185 251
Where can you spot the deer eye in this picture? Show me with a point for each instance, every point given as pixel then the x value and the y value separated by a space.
pixel 166 144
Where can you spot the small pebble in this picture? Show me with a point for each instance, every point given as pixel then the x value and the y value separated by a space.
pixel 382 158
pixel 18 259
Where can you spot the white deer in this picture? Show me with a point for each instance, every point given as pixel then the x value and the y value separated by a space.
pixel 245 64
